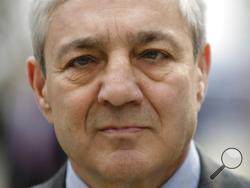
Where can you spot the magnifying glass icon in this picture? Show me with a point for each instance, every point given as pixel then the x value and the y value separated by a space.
pixel 231 158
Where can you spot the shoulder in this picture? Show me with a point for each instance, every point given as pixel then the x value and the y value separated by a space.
pixel 225 179
pixel 57 181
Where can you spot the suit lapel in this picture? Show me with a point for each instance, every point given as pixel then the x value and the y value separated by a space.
pixel 207 167
pixel 57 181
pixel 59 178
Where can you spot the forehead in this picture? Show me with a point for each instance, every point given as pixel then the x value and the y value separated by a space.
pixel 115 19
pixel 100 5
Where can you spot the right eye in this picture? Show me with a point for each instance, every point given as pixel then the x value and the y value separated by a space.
pixel 82 61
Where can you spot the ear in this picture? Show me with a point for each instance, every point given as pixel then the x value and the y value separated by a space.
pixel 203 67
pixel 39 87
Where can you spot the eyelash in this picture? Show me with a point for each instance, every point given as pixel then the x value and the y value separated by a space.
pixel 88 58
pixel 163 55
pixel 91 59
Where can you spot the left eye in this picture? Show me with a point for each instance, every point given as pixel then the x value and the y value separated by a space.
pixel 82 61
pixel 152 55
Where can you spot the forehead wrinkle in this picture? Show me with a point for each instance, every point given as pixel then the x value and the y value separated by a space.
pixel 116 33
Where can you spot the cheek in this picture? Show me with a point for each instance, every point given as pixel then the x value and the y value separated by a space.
pixel 174 100
pixel 70 105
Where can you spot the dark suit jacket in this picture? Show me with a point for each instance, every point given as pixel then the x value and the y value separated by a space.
pixel 224 180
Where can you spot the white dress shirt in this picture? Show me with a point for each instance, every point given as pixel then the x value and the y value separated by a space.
pixel 187 175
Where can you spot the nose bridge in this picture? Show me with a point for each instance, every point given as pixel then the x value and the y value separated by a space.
pixel 119 84
pixel 119 69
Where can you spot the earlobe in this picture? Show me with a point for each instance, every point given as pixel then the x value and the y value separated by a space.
pixel 201 92
pixel 38 85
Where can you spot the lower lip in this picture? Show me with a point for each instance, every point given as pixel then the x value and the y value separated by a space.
pixel 129 130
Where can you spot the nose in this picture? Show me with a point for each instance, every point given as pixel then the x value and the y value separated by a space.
pixel 119 85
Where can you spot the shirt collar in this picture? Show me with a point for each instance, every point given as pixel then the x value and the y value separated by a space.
pixel 187 175
pixel 73 180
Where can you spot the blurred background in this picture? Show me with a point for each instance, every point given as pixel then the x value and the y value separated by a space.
pixel 29 152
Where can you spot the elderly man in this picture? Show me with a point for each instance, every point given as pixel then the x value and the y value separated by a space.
pixel 122 83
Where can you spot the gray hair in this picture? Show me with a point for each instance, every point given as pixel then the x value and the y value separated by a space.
pixel 192 10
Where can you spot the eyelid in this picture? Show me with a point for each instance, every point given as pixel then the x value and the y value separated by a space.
pixel 91 58
pixel 164 53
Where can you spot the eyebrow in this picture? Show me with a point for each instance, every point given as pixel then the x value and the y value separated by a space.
pixel 146 37
pixel 141 38
pixel 79 43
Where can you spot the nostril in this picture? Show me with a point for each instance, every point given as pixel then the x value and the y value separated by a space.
pixel 120 94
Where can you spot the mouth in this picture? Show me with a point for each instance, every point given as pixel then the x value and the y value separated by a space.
pixel 112 130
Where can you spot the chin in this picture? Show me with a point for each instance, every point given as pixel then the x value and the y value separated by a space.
pixel 126 165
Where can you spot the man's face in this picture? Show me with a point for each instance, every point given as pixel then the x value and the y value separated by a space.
pixel 122 87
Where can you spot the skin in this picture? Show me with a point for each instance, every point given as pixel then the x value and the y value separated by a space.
pixel 122 89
